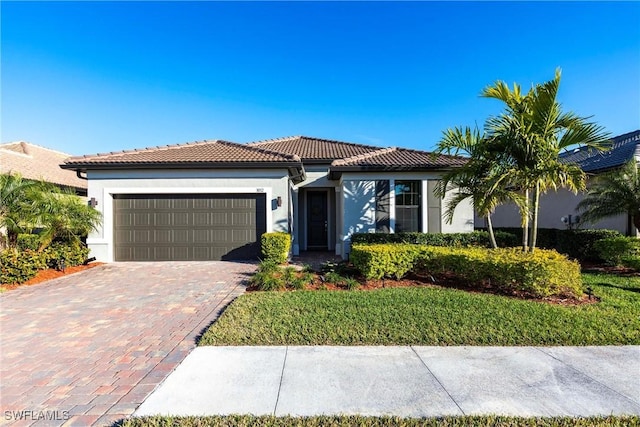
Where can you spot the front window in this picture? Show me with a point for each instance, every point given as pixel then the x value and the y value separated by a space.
pixel 408 211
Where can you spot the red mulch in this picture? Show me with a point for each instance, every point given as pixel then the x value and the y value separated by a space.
pixel 450 281
pixel 49 274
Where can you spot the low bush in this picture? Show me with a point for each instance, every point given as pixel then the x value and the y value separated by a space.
pixel 275 247
pixel 476 238
pixel 73 253
pixel 19 266
pixel 272 277
pixel 28 241
pixel 624 251
pixel 540 274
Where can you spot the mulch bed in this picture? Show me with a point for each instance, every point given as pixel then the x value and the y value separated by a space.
pixel 44 275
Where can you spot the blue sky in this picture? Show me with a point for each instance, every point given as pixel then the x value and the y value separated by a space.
pixel 86 77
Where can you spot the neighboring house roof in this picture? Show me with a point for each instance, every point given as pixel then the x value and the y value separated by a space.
pixel 395 159
pixel 38 163
pixel 209 154
pixel 622 149
pixel 314 150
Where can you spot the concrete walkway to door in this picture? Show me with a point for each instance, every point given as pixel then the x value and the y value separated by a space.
pixel 89 348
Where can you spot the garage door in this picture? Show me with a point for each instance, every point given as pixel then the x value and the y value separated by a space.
pixel 189 227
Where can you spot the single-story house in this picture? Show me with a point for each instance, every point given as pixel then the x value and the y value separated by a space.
pixel 558 208
pixel 214 199
pixel 39 163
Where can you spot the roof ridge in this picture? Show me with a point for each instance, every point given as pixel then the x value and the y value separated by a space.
pixel 294 157
pixel 23 143
pixel 332 141
pixel 364 156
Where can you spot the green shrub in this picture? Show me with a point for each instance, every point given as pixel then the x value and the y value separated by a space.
pixel 73 253
pixel 275 247
pixel 542 273
pixel 28 241
pixel 19 266
pixel 476 238
pixel 376 261
pixel 623 251
pixel 576 244
pixel 272 277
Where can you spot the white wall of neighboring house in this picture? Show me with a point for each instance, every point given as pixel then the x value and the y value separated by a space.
pixel 553 206
pixel 104 184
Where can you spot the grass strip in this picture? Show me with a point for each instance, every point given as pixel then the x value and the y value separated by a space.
pixel 430 316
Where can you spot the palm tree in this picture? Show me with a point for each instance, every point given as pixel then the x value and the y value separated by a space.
pixel 614 193
pixel 530 135
pixel 476 179
pixel 19 205
pixel 64 216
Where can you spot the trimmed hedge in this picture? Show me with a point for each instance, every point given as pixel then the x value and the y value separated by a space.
pixel 576 244
pixel 624 251
pixel 19 266
pixel 542 273
pixel 275 247
pixel 476 238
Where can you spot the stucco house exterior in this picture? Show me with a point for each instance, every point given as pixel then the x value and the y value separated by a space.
pixel 213 199
pixel 555 205
pixel 39 163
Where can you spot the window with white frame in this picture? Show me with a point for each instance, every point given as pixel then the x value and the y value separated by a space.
pixel 408 210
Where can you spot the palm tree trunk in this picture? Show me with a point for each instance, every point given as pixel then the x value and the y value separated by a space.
pixel 636 221
pixel 534 223
pixel 525 222
pixel 492 237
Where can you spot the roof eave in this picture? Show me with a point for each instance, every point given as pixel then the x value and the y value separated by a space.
pixel 83 167
pixel 335 172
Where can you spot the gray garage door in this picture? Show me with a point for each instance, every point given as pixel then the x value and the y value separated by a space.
pixel 189 227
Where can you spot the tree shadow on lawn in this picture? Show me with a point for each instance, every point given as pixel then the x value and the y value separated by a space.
pixel 624 288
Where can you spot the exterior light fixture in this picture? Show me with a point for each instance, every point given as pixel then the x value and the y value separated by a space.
pixel 93 202
pixel 279 201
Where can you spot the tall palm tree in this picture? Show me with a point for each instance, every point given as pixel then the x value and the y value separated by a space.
pixel 530 134
pixel 476 179
pixel 614 193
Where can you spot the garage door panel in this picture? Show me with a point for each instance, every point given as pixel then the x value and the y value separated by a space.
pixel 188 227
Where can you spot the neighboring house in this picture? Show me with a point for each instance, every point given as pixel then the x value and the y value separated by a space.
pixel 557 204
pixel 39 163
pixel 213 199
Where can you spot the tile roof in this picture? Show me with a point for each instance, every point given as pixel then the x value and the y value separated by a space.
pixel 398 159
pixel 314 150
pixel 204 153
pixel 36 162
pixel 621 150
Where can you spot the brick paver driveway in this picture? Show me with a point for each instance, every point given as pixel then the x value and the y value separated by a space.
pixel 89 348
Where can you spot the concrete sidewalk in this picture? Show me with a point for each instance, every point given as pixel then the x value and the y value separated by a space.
pixel 404 381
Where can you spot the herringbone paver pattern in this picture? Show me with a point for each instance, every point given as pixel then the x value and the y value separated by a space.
pixel 87 349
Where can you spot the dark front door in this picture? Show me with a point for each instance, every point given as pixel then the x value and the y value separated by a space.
pixel 317 220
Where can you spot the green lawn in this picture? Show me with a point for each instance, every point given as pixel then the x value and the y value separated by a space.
pixel 429 316
pixel 344 421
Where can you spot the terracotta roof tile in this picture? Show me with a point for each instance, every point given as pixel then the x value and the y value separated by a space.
pixel 36 162
pixel 314 149
pixel 205 152
pixel 398 159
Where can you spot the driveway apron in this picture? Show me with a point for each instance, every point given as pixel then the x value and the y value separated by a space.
pixel 89 348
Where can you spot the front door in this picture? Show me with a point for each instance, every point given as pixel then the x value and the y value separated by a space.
pixel 317 226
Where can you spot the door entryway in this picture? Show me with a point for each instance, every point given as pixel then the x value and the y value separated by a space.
pixel 317 220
